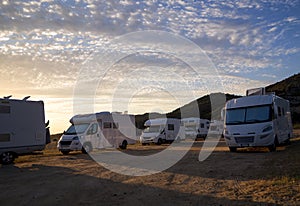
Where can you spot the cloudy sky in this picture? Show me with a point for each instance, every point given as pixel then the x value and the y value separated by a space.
pixel 142 56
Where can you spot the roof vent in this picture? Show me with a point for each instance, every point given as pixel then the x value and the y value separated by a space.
pixel 256 91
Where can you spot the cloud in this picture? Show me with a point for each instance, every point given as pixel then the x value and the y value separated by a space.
pixel 43 44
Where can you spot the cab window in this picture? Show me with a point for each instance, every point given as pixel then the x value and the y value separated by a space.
pixel 93 129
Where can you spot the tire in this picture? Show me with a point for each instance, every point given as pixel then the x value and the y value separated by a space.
pixel 7 158
pixel 178 140
pixel 65 152
pixel 272 147
pixel 124 145
pixel 288 141
pixel 86 148
pixel 159 141
pixel 232 149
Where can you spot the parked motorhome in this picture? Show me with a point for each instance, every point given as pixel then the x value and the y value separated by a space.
pixel 96 131
pixel 195 127
pixel 161 130
pixel 216 128
pixel 23 129
pixel 257 120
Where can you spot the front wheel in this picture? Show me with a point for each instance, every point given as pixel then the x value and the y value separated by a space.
pixel 232 149
pixel 86 148
pixel 272 147
pixel 178 140
pixel 159 141
pixel 65 152
pixel 7 158
pixel 124 145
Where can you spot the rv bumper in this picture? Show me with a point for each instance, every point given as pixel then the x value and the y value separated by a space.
pixel 148 140
pixel 260 140
pixel 69 145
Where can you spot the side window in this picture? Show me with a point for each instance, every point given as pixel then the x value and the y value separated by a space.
pixel 93 129
pixel 4 109
pixel 283 111
pixel 170 126
pixel 115 125
pixel 4 137
pixel 106 125
pixel 279 111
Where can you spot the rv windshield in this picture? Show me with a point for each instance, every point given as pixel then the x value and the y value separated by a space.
pixel 77 129
pixel 152 129
pixel 248 115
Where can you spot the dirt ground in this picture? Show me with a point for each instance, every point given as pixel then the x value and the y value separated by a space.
pixel 248 177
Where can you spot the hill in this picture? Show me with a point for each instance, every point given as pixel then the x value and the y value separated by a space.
pixel 188 110
pixel 288 89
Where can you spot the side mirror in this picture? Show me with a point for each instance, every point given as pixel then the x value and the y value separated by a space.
pixel 223 113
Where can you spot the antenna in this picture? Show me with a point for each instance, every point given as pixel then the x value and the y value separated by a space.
pixel 25 98
pixel 7 97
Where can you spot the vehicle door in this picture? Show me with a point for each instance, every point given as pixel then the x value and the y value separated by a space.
pixel 281 124
pixel 170 132
pixel 108 134
pixel 92 135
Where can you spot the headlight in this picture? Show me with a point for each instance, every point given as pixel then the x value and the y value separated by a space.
pixel 75 138
pixel 267 128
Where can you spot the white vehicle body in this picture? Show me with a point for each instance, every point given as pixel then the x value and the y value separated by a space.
pixel 23 128
pixel 161 130
pixel 195 127
pixel 96 131
pixel 216 127
pixel 257 121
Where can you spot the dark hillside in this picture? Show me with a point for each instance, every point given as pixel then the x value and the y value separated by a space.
pixel 289 89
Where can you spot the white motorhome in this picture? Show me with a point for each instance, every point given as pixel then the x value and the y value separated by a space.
pixel 97 131
pixel 216 128
pixel 195 127
pixel 23 129
pixel 161 130
pixel 257 120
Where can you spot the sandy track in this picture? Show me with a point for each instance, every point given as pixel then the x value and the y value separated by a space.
pixel 248 177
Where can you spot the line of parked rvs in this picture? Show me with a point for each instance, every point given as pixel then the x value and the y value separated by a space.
pixel 256 120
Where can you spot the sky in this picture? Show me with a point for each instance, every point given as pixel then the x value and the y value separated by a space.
pixel 83 56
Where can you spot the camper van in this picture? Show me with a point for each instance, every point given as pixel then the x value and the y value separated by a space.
pixel 23 129
pixel 216 128
pixel 257 120
pixel 195 127
pixel 97 131
pixel 161 130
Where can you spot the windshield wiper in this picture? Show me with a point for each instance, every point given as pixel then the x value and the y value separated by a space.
pixel 254 120
pixel 235 122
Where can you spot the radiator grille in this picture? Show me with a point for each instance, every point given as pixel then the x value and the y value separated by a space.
pixel 65 142
pixel 244 140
